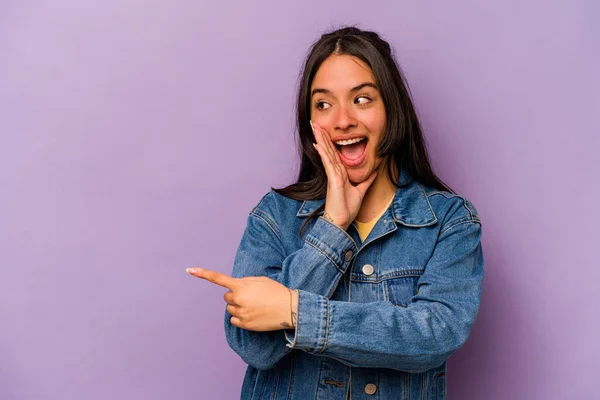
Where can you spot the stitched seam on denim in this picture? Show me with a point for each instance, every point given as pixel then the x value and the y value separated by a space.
pixel 323 360
pixel 326 325
pixel 462 222
pixel 301 212
pixel 386 291
pixel 307 213
pixel 341 360
pixel 333 286
pixel 340 229
pixel 436 379
pixel 270 223
pixel 348 394
pixel 391 275
pixel 261 200
pixel 277 375
pixel 292 376
pixel 264 385
pixel 466 205
pixel 325 249
pixel 265 216
pixel 445 371
pixel 256 380
pixel 424 382
pixel 447 195
pixel 424 225
pixel 378 265
pixel 428 203
pixel 387 286
pixel 304 213
pixel 326 255
pixel 371 240
pixel 450 224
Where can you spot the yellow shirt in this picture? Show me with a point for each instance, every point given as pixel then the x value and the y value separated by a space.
pixel 364 228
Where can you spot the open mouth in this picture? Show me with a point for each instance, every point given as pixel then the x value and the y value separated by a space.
pixel 352 151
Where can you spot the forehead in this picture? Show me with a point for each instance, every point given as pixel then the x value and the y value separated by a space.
pixel 342 72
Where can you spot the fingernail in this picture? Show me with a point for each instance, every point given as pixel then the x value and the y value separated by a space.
pixel 190 271
pixel 311 126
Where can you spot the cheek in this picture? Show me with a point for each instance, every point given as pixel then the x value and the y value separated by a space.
pixel 377 127
pixel 323 119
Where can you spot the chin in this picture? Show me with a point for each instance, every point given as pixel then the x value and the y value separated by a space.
pixel 356 177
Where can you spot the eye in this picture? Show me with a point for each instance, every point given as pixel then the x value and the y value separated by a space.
pixel 362 100
pixel 321 105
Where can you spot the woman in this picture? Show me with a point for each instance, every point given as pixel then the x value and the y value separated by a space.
pixel 361 279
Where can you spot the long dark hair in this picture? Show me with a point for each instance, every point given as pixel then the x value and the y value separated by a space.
pixel 403 145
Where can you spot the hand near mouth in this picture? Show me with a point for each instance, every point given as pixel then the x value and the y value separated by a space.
pixel 343 199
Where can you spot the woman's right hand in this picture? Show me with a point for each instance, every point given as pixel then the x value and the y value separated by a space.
pixel 343 198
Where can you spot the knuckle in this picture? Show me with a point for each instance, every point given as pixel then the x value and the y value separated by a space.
pixel 240 299
pixel 240 322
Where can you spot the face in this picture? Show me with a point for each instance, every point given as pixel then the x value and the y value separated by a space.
pixel 346 102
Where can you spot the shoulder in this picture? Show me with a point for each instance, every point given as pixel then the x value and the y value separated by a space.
pixel 451 208
pixel 275 208
pixel 273 202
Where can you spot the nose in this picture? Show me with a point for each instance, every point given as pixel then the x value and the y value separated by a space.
pixel 345 118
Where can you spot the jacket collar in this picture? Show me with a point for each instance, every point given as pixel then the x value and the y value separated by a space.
pixel 410 207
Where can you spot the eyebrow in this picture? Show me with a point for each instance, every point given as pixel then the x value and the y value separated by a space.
pixel 354 89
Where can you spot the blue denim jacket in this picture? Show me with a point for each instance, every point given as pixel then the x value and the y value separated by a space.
pixel 376 319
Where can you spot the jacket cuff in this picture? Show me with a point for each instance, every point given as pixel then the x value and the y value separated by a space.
pixel 312 323
pixel 333 242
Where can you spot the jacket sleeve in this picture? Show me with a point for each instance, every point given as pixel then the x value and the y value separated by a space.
pixel 415 338
pixel 316 268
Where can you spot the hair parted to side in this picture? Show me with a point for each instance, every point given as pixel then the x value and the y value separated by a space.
pixel 403 145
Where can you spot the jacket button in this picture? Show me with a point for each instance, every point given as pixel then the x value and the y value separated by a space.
pixel 348 255
pixel 370 388
pixel 368 269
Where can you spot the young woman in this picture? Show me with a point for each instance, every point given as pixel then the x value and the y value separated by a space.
pixel 360 280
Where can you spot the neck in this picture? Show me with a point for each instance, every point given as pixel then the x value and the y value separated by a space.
pixel 377 197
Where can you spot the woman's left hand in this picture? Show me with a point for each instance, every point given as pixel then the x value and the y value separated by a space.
pixel 256 303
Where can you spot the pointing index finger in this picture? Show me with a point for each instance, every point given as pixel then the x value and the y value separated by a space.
pixel 214 277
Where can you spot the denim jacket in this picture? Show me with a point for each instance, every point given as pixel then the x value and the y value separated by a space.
pixel 376 319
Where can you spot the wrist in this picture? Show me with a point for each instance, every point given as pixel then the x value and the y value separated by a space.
pixel 288 313
pixel 340 224
pixel 294 308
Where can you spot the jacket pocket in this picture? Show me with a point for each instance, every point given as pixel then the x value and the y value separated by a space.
pixel 400 290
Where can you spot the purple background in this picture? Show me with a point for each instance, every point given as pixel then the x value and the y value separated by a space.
pixel 137 135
